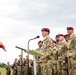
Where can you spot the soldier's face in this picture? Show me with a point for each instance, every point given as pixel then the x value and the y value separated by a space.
pixel 8 63
pixel 61 38
pixel 57 38
pixel 40 44
pixel 44 33
pixel 27 57
pixel 66 38
pixel 20 56
pixel 70 31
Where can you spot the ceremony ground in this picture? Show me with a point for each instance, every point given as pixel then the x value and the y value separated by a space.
pixel 3 71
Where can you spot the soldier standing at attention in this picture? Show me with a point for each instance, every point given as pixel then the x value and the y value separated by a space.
pixel 55 54
pixel 27 64
pixel 20 65
pixel 62 51
pixel 14 67
pixel 8 69
pixel 47 49
pixel 38 59
pixel 31 67
pixel 25 67
pixel 71 47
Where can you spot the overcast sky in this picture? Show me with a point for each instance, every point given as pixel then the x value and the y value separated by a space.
pixel 21 20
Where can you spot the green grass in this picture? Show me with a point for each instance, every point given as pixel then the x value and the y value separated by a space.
pixel 3 71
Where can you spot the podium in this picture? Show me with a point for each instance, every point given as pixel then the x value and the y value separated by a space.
pixel 34 53
pixel 31 52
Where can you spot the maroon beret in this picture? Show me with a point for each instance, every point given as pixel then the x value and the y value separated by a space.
pixel 70 28
pixel 66 35
pixel 61 35
pixel 57 35
pixel 46 29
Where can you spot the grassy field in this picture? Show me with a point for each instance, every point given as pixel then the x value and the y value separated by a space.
pixel 3 71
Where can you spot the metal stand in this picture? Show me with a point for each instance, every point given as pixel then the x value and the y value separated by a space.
pixel 34 60
pixel 28 57
pixel 34 65
pixel 22 53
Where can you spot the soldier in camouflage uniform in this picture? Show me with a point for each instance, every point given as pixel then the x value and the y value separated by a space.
pixel 55 54
pixel 25 67
pixel 8 69
pixel 71 47
pixel 27 64
pixel 62 51
pixel 20 66
pixel 47 49
pixel 14 67
pixel 38 59
pixel 31 67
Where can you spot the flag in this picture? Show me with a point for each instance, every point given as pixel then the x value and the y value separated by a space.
pixel 2 46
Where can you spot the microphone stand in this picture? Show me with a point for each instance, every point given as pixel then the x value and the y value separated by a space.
pixel 33 56
pixel 34 60
pixel 28 57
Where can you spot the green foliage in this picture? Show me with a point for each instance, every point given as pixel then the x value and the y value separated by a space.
pixel 2 65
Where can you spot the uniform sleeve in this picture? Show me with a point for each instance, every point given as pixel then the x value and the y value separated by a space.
pixel 49 48
pixel 73 43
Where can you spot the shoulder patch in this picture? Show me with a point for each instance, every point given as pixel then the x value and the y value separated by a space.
pixel 49 43
pixel 75 42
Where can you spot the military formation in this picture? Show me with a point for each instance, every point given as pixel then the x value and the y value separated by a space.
pixel 59 55
pixel 21 66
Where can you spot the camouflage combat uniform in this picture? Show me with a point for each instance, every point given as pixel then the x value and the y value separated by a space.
pixel 61 63
pixel 8 70
pixel 38 62
pixel 55 54
pixel 47 49
pixel 19 67
pixel 71 51
pixel 25 67
pixel 14 68
pixel 73 65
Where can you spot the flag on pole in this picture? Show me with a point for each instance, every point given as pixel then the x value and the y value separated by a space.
pixel 2 46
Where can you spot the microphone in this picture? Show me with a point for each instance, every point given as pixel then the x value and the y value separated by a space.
pixel 35 37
